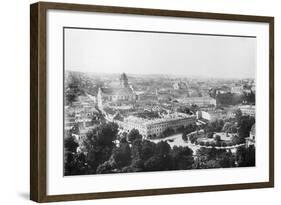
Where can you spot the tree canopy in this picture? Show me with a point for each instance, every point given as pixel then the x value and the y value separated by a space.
pixel 133 135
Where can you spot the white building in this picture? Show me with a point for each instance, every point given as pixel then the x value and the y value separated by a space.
pixel 203 115
pixel 237 89
pixel 155 127
pixel 248 110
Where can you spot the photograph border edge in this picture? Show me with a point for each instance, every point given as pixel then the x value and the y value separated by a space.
pixel 38 91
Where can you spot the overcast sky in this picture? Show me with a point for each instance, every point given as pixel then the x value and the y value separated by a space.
pixel 158 53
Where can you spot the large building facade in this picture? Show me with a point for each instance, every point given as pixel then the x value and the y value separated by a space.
pixel 155 127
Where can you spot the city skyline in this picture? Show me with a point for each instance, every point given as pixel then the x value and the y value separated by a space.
pixel 168 75
pixel 143 53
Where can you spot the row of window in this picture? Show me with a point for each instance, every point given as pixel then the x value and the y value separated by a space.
pixel 156 129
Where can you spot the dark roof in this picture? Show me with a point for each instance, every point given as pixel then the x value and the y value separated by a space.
pixel 108 91
pixel 123 77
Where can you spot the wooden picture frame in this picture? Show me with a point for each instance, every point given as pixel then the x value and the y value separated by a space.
pixel 38 100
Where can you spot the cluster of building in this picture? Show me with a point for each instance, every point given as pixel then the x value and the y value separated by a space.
pixel 120 103
pixel 199 101
pixel 124 93
pixel 81 114
pixel 242 87
pixel 215 114
pixel 180 85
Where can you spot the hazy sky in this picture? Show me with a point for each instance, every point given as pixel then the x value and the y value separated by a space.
pixel 158 53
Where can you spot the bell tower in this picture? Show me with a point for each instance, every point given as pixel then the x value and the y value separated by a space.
pixel 124 81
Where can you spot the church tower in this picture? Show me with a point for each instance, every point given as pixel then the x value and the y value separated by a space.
pixel 124 81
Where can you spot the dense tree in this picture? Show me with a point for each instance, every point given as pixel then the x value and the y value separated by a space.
pixel 229 127
pixel 232 128
pixel 187 130
pixel 134 135
pixel 70 97
pixel 98 118
pixel 226 159
pixel 162 148
pixel 107 133
pixel 246 156
pixel 75 164
pixel 106 167
pixel 124 135
pixel 147 150
pixel 214 158
pixel 161 159
pixel 123 140
pixel 128 169
pixel 98 144
pixel 141 151
pixel 181 158
pixel 190 128
pixel 194 108
pixel 137 165
pixel 237 140
pixel 169 131
pixel 154 163
pixel 193 138
pixel 249 98
pixel 244 126
pixel 238 115
pixel 148 114
pixel 73 89
pixel 100 153
pixel 210 135
pixel 212 164
pixel 184 109
pixel 184 137
pixel 122 155
pixel 136 149
pixel 217 138
pixel 214 126
pixel 70 144
pixel 228 99
pixel 180 129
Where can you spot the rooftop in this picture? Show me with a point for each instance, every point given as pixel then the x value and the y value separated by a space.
pixel 117 91
pixel 166 118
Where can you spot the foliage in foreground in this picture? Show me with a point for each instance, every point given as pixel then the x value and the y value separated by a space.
pixel 98 154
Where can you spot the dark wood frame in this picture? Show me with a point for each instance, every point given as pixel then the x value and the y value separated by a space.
pixel 38 95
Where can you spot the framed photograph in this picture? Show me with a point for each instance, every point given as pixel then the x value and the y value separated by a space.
pixel 134 102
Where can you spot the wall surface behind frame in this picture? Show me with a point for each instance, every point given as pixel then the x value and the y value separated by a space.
pixel 14 103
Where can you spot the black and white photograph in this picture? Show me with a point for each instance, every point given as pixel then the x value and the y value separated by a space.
pixel 144 101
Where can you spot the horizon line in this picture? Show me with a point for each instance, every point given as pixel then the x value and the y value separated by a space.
pixel 160 74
